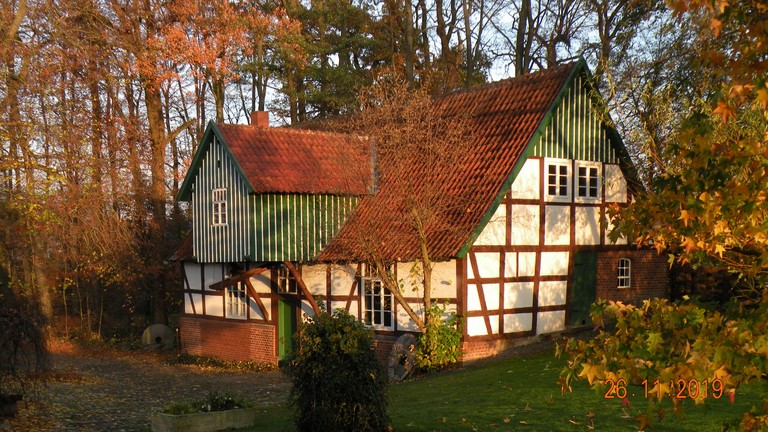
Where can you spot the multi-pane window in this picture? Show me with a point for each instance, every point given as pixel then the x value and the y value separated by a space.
pixel 219 207
pixel 587 180
pixel 286 283
pixel 377 303
pixel 236 301
pixel 624 271
pixel 557 180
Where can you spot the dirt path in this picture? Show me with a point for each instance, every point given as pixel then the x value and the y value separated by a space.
pixel 118 392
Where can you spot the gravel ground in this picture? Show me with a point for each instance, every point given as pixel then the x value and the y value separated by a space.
pixel 117 391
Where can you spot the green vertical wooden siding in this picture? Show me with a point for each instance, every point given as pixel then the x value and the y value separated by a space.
pixel 577 130
pixel 296 227
pixel 227 243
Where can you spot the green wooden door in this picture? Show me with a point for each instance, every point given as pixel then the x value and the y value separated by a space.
pixel 583 287
pixel 286 327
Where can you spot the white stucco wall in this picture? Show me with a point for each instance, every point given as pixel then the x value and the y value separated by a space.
pixel 526 184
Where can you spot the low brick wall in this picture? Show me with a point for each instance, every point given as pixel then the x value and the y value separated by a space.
pixel 649 276
pixel 228 340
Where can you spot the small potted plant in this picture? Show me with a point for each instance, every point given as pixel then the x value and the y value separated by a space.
pixel 217 411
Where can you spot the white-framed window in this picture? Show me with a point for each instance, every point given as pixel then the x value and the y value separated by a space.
pixel 236 301
pixel 377 303
pixel 588 181
pixel 624 273
pixel 558 176
pixel 286 283
pixel 219 207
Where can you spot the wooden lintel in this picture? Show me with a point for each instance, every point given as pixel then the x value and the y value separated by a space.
pixel 255 296
pixel 303 286
pixel 244 276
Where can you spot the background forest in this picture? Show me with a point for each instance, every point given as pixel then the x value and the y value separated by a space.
pixel 102 104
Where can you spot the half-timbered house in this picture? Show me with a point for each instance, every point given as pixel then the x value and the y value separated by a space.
pixel 529 253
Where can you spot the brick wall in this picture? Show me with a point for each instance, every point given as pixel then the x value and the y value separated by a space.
pixel 228 339
pixel 649 276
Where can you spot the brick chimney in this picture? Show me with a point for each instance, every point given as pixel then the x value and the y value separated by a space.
pixel 260 119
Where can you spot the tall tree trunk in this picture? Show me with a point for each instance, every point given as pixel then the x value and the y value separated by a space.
pixel 408 46
pixel 521 52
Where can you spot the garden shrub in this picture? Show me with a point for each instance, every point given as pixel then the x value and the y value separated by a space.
pixel 338 385
pixel 23 353
pixel 440 345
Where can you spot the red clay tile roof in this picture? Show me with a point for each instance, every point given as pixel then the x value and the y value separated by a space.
pixel 183 251
pixel 504 118
pixel 277 160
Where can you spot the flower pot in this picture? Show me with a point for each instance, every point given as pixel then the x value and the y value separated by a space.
pixel 205 421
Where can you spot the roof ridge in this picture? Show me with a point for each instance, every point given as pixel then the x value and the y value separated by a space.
pixel 289 130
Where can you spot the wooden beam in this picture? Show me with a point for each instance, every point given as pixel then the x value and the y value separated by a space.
pixel 300 283
pixel 244 276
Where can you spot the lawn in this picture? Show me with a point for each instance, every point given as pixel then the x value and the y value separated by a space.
pixel 522 394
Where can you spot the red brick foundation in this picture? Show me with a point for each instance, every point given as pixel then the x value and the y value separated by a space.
pixel 228 339
pixel 649 276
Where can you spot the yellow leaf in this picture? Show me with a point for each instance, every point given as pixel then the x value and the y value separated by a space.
pixel 688 244
pixel 725 111
pixel 719 249
pixel 716 25
pixel 590 372
pixel 762 98
pixel 685 217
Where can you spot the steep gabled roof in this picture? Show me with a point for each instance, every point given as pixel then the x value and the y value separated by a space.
pixel 279 160
pixel 505 117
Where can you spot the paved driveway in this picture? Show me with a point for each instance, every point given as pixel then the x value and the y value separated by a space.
pixel 118 391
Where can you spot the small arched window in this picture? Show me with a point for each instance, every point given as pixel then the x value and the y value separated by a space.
pixel 624 273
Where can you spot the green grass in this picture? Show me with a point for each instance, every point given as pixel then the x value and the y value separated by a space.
pixel 522 394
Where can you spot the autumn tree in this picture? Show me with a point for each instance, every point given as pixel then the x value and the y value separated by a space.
pixel 706 206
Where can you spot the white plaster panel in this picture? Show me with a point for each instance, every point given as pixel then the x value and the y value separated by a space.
pixel 587 225
pixel 526 264
pixel 518 322
pixel 526 184
pixel 444 279
pixel 494 324
pixel 409 276
pixel 476 326
pixel 268 305
pixel 619 241
pixel 557 225
pixel 262 283
pixel 494 231
pixel 524 225
pixel 473 299
pixel 197 300
pixel 518 295
pixel 192 271
pixel 342 277
pixel 552 293
pixel 353 307
pixel 554 263
pixel 547 322
pixel 510 264
pixel 213 273
pixel 314 278
pixel 491 296
pixel 487 264
pixel 214 305
pixel 615 184
pixel 404 322
pixel 306 310
pixel 255 312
